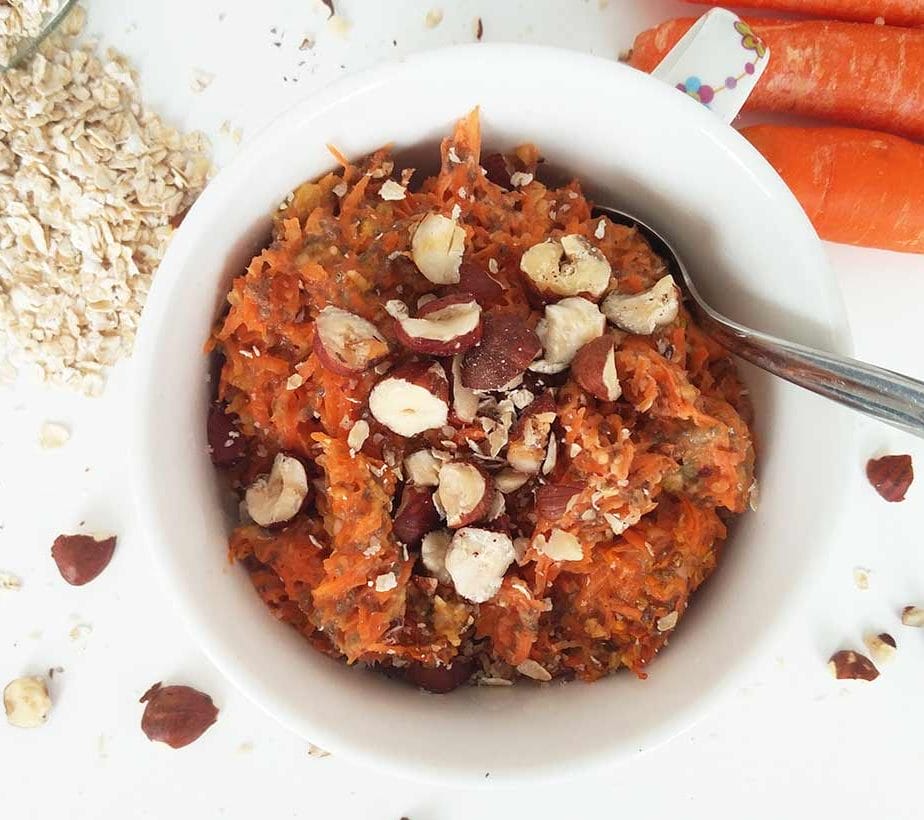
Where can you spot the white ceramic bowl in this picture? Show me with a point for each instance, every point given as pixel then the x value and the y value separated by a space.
pixel 635 144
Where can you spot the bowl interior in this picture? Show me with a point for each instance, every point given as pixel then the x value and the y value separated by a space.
pixel 634 144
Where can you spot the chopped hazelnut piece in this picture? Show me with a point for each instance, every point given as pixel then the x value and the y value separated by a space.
pixel 644 313
pixel 26 702
pixel 881 647
pixel 849 665
pixel 913 616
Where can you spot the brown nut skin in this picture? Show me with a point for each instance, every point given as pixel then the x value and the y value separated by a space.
pixel 227 446
pixel 535 296
pixel 81 558
pixel 423 373
pixel 176 715
pixel 402 268
pixel 503 523
pixel 891 476
pixel 477 281
pixel 552 499
pixel 588 368
pixel 439 679
pixel 497 169
pixel 416 515
pixel 438 347
pixel 507 347
pixel 849 665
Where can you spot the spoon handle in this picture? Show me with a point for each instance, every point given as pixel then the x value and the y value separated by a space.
pixel 882 394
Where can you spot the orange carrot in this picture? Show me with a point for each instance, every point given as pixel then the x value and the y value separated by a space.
pixel 854 73
pixel 858 187
pixel 891 12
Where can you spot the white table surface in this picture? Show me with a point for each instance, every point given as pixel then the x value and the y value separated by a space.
pixel 791 741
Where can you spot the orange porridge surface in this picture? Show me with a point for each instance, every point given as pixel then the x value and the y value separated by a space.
pixel 639 489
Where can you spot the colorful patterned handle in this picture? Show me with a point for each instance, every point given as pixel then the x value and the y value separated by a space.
pixel 717 62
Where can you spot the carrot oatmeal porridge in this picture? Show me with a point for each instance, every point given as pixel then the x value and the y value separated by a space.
pixel 475 434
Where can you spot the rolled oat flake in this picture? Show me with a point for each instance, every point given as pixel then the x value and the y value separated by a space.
pixel 90 182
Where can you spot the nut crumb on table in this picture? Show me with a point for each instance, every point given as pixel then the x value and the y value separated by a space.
pixel 891 476
pixel 201 80
pixel 176 715
pixel 27 702
pixel 53 435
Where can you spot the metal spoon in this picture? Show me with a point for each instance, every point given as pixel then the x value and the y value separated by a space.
pixel 879 393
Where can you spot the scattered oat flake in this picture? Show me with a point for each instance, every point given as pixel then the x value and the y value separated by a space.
pixel 386 582
pixel 200 80
pixel 10 581
pixel 359 432
pixel 340 189
pixel 339 25
pixel 234 134
pixel 534 670
pixel 891 476
pixel 392 191
pixel 493 266
pixel 491 681
pixel 754 495
pixel 668 622
pixel 80 632
pixel 80 250
pixel 519 179
pixel 53 435
pixel 434 18
pixel 317 751
pixel 294 382
pixel 600 230
pixel 861 577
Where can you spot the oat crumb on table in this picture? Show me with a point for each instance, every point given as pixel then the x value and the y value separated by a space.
pixel 90 182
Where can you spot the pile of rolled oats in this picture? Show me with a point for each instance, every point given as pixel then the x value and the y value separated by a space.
pixel 90 182
pixel 22 20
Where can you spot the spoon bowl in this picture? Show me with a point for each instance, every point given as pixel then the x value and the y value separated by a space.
pixel 879 393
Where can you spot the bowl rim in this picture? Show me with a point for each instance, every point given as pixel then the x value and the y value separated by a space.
pixel 159 299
